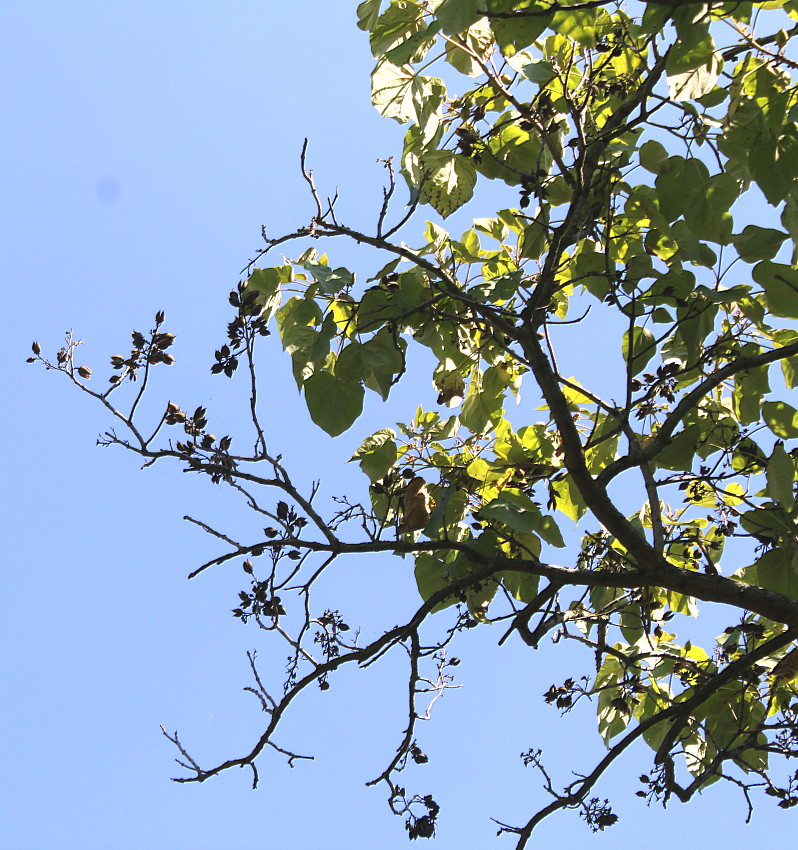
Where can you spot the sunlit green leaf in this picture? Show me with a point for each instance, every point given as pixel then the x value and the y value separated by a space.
pixel 781 418
pixel 398 22
pixel 569 499
pixel 267 283
pixel 449 183
pixel 513 34
pixel 693 74
pixel 398 92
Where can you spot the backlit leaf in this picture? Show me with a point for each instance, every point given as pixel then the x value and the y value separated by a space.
pixel 334 404
pixel 638 348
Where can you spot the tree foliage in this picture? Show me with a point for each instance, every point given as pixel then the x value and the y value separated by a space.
pixel 648 155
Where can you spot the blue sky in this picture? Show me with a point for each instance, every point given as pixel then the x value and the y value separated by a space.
pixel 144 146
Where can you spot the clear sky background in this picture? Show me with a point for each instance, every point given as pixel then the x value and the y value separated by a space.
pixel 144 145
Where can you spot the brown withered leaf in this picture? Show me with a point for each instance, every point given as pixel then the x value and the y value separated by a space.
pixel 787 668
pixel 451 388
pixel 416 506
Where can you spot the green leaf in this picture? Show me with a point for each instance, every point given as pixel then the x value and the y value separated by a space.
pixel 539 71
pixel 758 243
pixel 776 569
pixel 577 24
pixel 558 191
pixel 773 163
pixel 749 389
pixel 768 524
pixel 534 240
pixel 696 315
pixel 707 213
pixel 433 574
pixel 511 514
pixel 690 248
pixel 449 383
pixel 613 713
pixel 330 280
pixel 334 404
pixel 780 283
pixel 376 307
pixel 688 81
pixel 475 43
pixel 642 348
pixel 479 596
pixel 398 22
pixel 548 529
pixel 367 14
pixel 514 34
pixel 569 499
pixel 399 92
pixel 514 151
pixel 351 363
pixel 497 290
pixel 296 321
pixel 450 181
pixel 781 418
pixel 377 454
pixel 483 472
pixel 267 284
pixel 383 359
pixel 483 407
pixel 684 181
pixel 414 49
pixel 605 444
pixel 789 221
pixel 593 270
pixel 493 227
pixel 450 509
pixel 748 457
pixel 781 477
pixel 789 365
pixel 524 587
pixel 456 16
pixel 654 157
pixel 652 702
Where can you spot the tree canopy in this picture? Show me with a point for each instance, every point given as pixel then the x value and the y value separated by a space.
pixel 637 279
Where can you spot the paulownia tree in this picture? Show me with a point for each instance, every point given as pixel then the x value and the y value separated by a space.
pixel 639 147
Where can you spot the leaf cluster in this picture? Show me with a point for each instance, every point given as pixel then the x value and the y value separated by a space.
pixel 631 145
